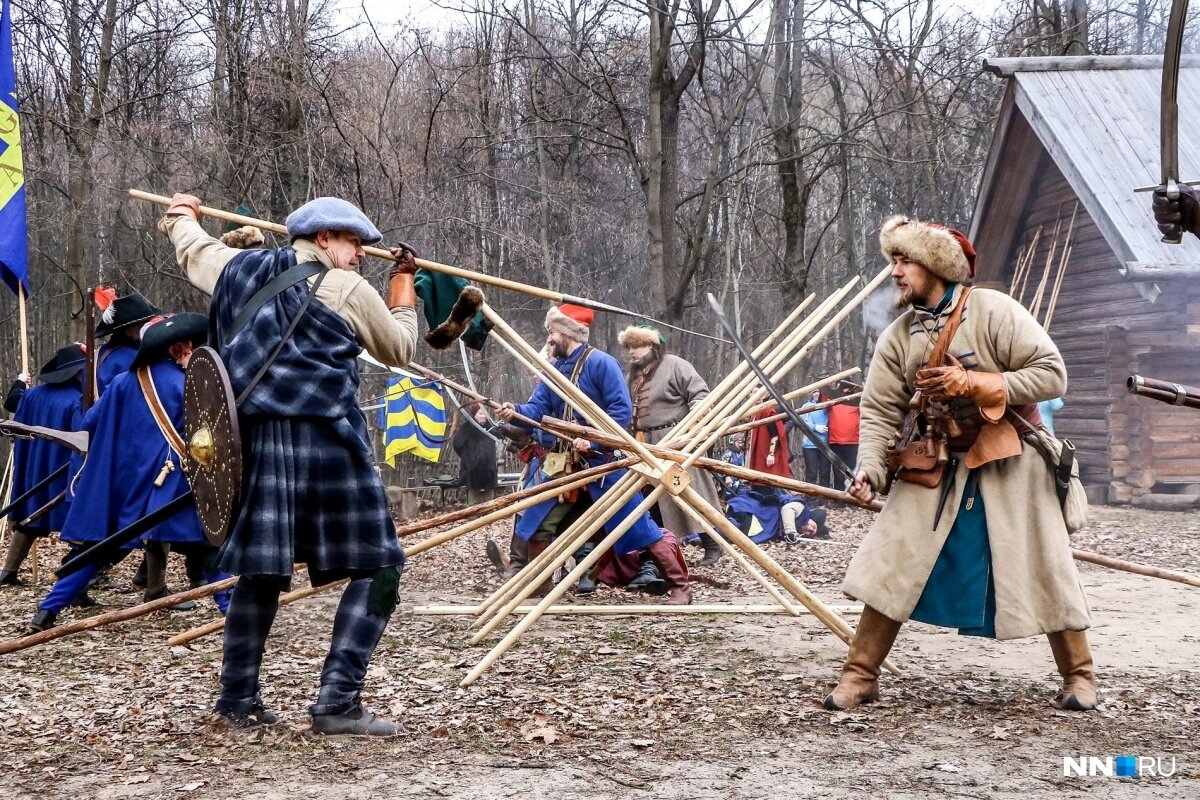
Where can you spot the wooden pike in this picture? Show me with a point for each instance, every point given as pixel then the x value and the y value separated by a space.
pixel 627 610
pixel 809 410
pixel 120 615
pixel 432 266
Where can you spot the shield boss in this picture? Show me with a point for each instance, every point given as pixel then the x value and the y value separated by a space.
pixel 213 457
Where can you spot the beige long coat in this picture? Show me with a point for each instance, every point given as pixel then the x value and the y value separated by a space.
pixel 671 391
pixel 1037 585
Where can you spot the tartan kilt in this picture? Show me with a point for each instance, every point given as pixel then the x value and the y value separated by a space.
pixel 310 495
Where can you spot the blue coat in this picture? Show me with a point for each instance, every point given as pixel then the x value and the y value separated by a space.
pixel 52 405
pixel 125 456
pixel 112 360
pixel 602 380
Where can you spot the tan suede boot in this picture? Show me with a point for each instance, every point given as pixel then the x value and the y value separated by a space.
pixel 860 676
pixel 1074 660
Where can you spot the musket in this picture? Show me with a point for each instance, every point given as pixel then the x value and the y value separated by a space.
pixel 44 510
pixel 75 440
pixel 32 490
pixel 1174 393
pixel 104 550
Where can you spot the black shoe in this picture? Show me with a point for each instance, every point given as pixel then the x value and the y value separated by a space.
pixel 256 716
pixel 586 584
pixel 85 600
pixel 186 605
pixel 9 578
pixel 355 722
pixel 648 580
pixel 42 621
pixel 711 556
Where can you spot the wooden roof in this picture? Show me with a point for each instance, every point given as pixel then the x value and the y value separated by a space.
pixel 1097 117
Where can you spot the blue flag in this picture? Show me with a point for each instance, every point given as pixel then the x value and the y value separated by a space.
pixel 414 420
pixel 14 247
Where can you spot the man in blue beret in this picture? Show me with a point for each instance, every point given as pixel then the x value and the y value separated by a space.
pixel 311 494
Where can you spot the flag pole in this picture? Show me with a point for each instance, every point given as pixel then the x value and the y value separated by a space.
pixel 33 550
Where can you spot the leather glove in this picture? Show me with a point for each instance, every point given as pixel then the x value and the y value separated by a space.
pixel 406 260
pixel 1184 212
pixel 985 389
pixel 182 205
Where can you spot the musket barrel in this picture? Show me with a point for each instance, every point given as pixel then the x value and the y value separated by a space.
pixel 1164 391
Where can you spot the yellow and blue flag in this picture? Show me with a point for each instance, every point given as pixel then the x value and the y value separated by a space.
pixel 414 420
pixel 14 247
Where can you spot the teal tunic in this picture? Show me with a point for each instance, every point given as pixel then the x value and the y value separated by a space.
pixel 960 592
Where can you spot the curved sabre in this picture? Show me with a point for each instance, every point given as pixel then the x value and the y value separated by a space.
pixel 1168 129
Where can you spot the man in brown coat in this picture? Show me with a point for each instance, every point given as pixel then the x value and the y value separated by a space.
pixel 664 388
pixel 987 550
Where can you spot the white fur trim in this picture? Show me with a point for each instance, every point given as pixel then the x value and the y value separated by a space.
pixel 560 322
pixel 932 247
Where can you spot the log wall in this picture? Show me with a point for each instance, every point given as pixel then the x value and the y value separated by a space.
pixel 1106 331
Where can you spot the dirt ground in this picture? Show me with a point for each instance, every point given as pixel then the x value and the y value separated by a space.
pixel 623 707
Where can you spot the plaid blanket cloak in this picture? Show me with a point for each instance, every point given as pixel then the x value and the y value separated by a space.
pixel 310 493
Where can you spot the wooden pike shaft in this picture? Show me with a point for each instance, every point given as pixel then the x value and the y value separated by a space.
pixel 803 390
pixel 729 398
pixel 512 502
pixel 120 615
pixel 810 409
pixel 1135 568
pixel 284 599
pixel 558 590
pixel 541 568
pixel 741 368
pixel 628 610
pixel 713 465
pixel 799 356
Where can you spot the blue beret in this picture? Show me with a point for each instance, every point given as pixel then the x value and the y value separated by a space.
pixel 331 214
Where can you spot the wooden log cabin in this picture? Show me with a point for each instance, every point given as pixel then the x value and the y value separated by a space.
pixel 1056 207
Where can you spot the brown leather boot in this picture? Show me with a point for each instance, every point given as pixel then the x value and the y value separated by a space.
pixel 518 557
pixel 1074 660
pixel 860 675
pixel 534 550
pixel 669 560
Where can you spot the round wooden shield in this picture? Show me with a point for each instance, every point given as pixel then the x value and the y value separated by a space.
pixel 213 453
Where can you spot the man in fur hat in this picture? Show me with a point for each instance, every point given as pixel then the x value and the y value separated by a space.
pixel 997 563
pixel 598 375
pixel 311 492
pixel 664 388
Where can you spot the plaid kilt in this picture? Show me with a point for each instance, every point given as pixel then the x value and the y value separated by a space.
pixel 310 496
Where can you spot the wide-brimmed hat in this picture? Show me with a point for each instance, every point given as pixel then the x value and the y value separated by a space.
pixel 158 336
pixel 68 362
pixel 121 313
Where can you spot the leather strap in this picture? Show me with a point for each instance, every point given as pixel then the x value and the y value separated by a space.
pixel 146 382
pixel 947 334
pixel 276 286
pixel 312 290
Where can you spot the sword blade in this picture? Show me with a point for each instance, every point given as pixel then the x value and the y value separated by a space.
pixel 732 333
pixel 104 550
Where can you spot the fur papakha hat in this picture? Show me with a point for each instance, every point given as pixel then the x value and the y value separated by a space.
pixel 570 320
pixel 944 251
pixel 641 336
